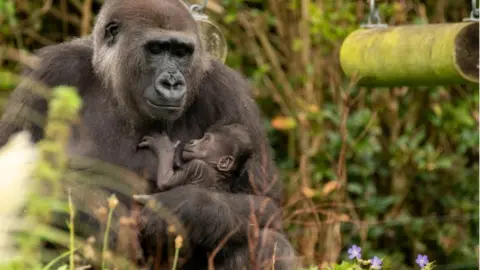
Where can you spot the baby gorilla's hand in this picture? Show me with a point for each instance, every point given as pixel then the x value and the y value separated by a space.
pixel 149 142
pixel 158 143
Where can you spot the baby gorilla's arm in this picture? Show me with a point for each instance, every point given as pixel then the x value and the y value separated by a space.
pixel 161 145
pixel 196 172
pixel 193 172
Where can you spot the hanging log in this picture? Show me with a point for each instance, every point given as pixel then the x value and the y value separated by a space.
pixel 413 55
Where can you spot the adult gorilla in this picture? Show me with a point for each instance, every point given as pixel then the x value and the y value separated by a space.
pixel 143 71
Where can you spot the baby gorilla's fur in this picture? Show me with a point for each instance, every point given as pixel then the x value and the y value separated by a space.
pixel 210 161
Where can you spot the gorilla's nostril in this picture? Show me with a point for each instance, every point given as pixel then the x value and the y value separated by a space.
pixel 166 84
pixel 177 84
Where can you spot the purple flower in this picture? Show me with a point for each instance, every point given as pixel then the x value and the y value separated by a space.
pixel 422 260
pixel 355 252
pixel 376 263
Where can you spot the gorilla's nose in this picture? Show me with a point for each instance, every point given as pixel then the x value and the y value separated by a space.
pixel 170 82
pixel 171 85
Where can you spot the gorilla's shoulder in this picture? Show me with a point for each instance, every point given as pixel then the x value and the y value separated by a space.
pixel 220 76
pixel 67 63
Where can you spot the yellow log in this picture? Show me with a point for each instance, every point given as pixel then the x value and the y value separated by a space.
pixel 413 55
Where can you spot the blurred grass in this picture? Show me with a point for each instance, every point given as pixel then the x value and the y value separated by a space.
pixel 394 170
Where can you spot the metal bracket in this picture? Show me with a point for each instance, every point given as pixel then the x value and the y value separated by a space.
pixel 373 18
pixel 474 14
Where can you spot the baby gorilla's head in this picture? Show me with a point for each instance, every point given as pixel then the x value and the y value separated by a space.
pixel 225 148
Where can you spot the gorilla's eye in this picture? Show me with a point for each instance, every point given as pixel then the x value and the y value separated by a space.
pixel 181 51
pixel 111 31
pixel 156 47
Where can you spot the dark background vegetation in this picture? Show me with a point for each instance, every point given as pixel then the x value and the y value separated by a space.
pixel 393 170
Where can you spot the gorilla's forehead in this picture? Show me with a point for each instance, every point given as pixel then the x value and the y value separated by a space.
pixel 166 14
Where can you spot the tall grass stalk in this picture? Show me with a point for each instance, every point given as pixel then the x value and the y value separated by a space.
pixel 178 246
pixel 112 203
pixel 59 258
pixel 72 230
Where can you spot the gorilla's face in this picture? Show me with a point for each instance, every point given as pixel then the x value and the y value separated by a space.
pixel 151 59
pixel 168 59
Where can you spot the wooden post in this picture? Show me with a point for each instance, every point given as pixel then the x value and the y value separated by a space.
pixel 413 55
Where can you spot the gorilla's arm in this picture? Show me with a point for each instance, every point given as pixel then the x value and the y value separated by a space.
pixel 24 110
pixel 60 64
pixel 210 216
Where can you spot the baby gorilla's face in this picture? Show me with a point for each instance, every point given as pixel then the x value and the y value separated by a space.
pixel 205 148
pixel 213 148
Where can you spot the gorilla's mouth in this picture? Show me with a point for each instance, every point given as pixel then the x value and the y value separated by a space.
pixel 160 106
pixel 188 154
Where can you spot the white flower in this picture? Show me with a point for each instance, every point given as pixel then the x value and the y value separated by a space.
pixel 17 161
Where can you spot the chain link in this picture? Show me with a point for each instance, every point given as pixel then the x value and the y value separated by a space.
pixel 373 20
pixel 198 7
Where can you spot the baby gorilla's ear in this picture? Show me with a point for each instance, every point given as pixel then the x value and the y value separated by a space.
pixel 225 163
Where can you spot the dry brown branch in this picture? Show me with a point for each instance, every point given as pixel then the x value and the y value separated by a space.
pixel 215 7
pixel 77 4
pixel 304 30
pixel 46 7
pixel 73 19
pixel 367 127
pixel 21 56
pixel 64 10
pixel 37 37
pixel 268 49
pixel 343 133
pixel 267 81
pixel 222 243
pixel 86 18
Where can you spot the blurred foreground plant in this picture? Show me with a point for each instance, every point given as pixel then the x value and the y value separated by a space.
pixel 17 162
pixel 63 111
pixel 44 189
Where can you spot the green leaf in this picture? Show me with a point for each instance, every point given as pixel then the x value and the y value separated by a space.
pixel 355 188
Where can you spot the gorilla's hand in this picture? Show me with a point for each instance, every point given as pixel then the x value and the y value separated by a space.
pixel 210 216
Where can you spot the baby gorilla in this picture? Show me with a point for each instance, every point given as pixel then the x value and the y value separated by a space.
pixel 219 156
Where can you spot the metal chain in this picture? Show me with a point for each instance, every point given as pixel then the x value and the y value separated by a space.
pixel 474 14
pixel 373 20
pixel 198 7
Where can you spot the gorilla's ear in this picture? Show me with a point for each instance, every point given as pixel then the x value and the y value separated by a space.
pixel 111 31
pixel 225 163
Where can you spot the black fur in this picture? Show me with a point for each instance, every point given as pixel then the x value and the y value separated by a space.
pixel 112 126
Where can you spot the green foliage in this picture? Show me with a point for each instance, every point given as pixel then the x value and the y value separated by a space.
pixel 411 157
